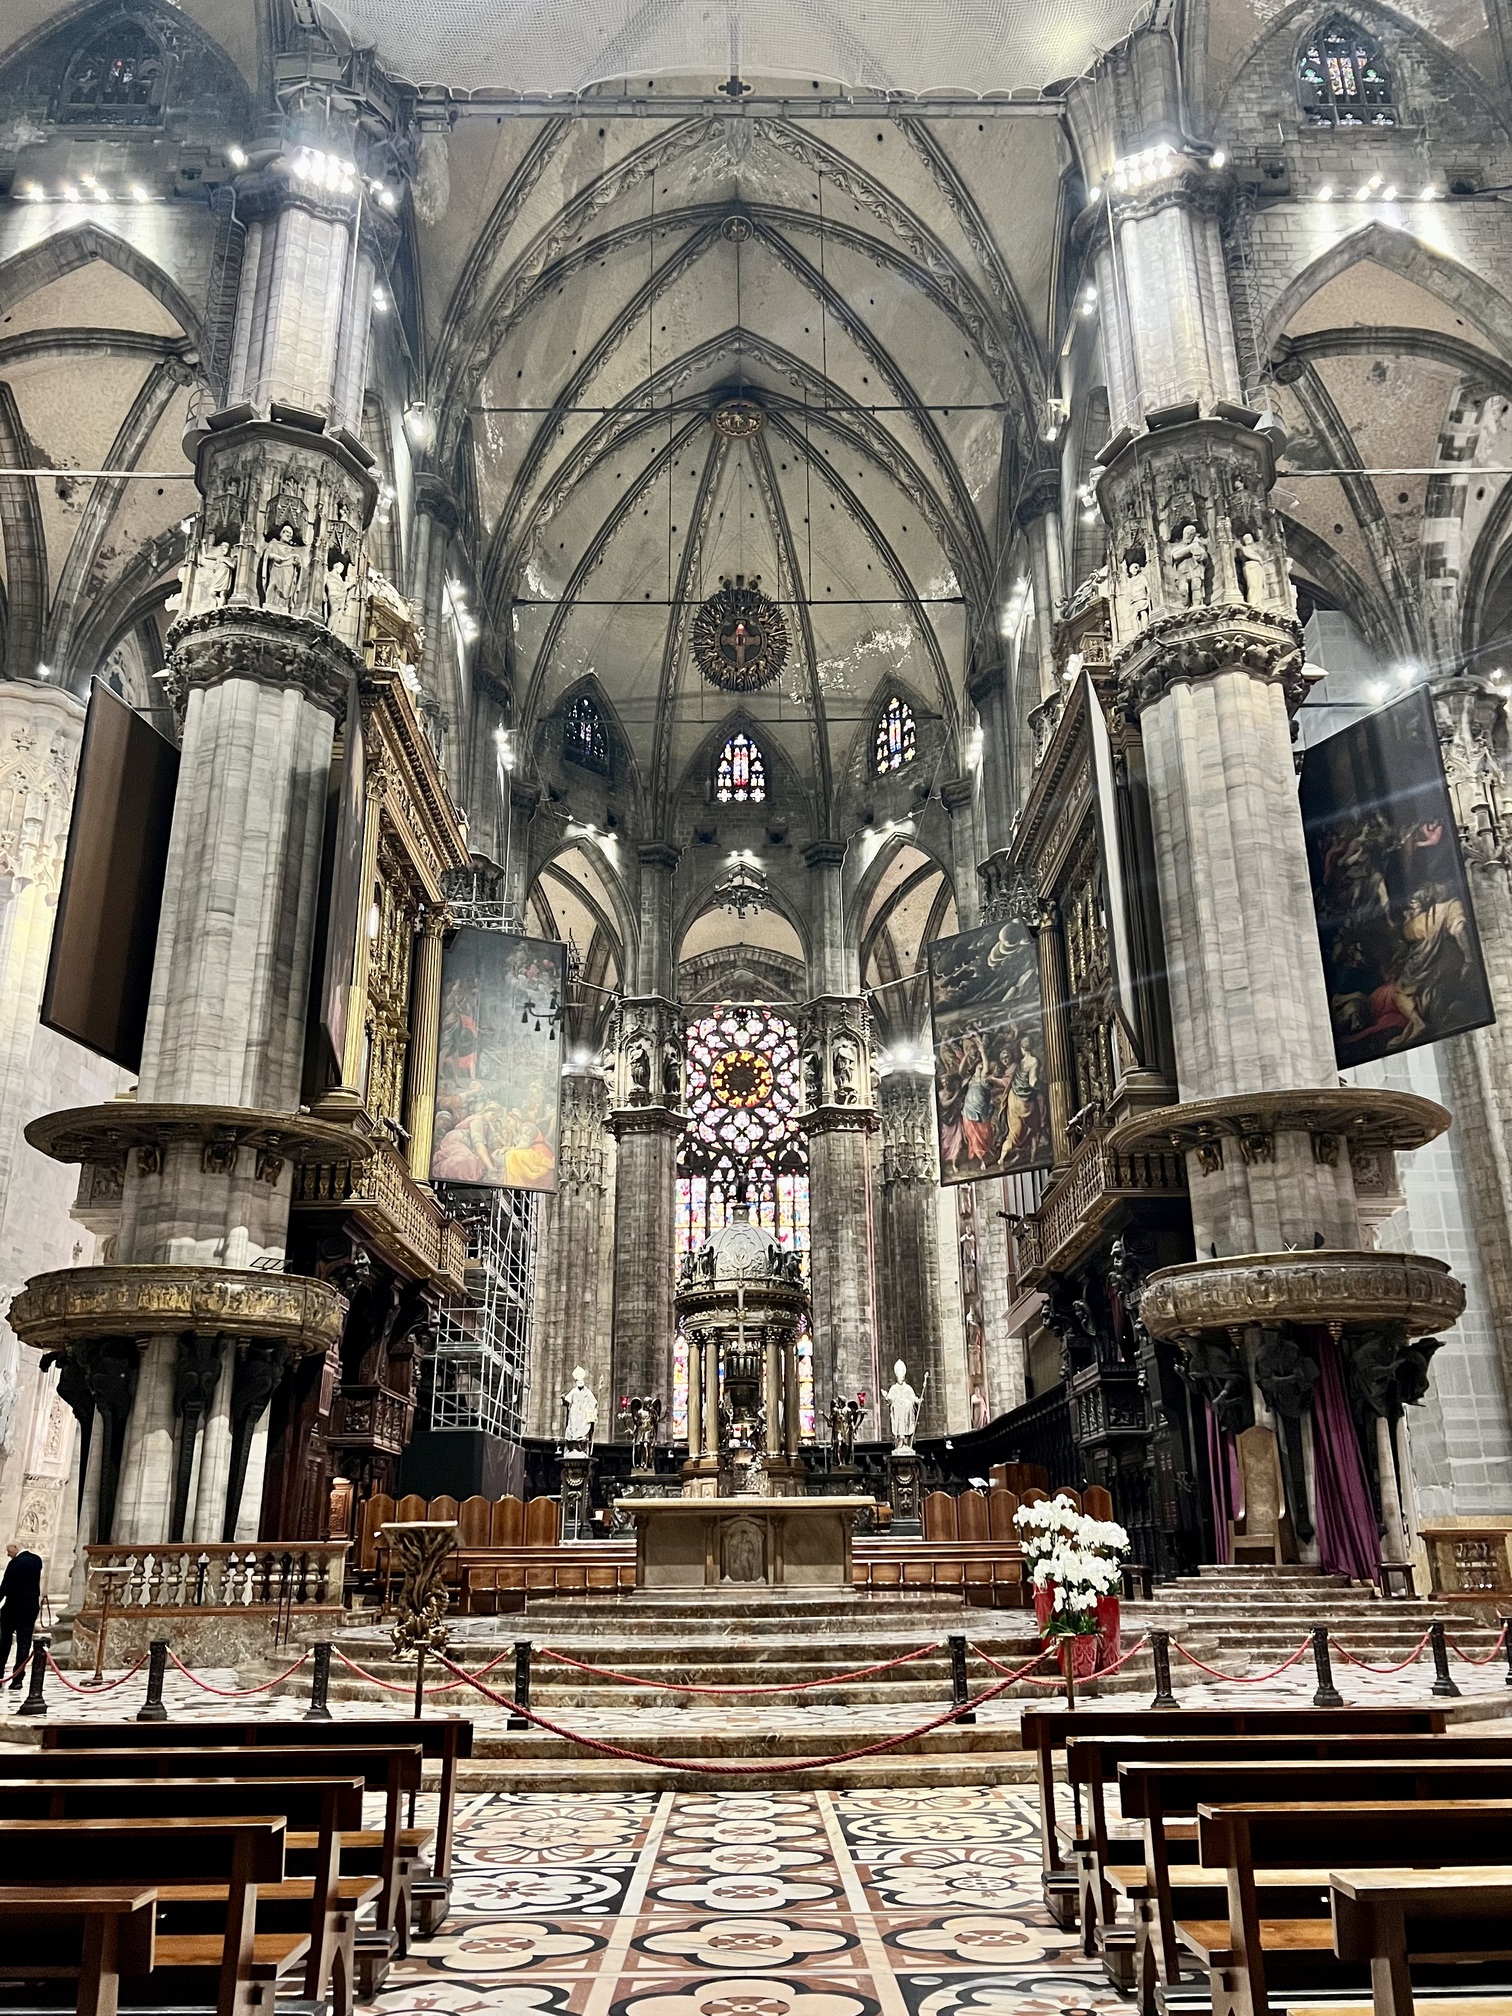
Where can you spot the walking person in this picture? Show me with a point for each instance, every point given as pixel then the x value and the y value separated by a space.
pixel 20 1601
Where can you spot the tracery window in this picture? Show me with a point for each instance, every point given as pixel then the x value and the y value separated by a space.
pixel 1342 79
pixel 740 776
pixel 584 739
pixel 896 736
pixel 743 1141
pixel 116 79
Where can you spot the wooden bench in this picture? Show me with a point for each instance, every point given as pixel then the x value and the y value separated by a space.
pixel 323 1905
pixel 444 1740
pixel 238 1968
pixel 1171 1887
pixel 1389 1917
pixel 1045 1731
pixel 380 1862
pixel 1092 1762
pixel 1290 1950
pixel 91 1934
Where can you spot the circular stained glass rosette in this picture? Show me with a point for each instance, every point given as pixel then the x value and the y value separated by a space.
pixel 740 640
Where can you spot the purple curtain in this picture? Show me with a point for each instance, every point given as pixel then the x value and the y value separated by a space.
pixel 1349 1539
pixel 1223 1482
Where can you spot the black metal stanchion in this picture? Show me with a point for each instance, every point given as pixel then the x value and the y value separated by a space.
pixel 152 1709
pixel 521 1684
pixel 1506 1625
pixel 1443 1684
pixel 1326 1695
pixel 419 1681
pixel 959 1693
pixel 320 1683
pixel 34 1704
pixel 1160 1652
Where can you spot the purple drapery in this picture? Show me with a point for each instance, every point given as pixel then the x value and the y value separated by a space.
pixel 1223 1482
pixel 1349 1539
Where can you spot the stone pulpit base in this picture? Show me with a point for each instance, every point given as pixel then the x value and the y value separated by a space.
pixel 701 1543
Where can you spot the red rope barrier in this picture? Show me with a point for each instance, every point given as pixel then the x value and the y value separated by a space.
pixel 1241 1679
pixel 738 1770
pixel 1349 1658
pixel 1470 1658
pixel 236 1693
pixel 403 1686
pixel 773 1687
pixel 1122 1660
pixel 104 1686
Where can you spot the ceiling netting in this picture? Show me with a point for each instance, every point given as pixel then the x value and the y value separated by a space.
pixel 557 46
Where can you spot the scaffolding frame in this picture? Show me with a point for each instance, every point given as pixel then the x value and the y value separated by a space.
pixel 479 1364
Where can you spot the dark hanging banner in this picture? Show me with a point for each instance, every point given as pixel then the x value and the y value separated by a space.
pixel 1401 954
pixel 991 1097
pixel 348 898
pixel 499 1069
pixel 99 969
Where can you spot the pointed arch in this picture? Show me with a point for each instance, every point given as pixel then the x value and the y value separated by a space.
pixel 71 246
pixel 1460 289
pixel 1342 76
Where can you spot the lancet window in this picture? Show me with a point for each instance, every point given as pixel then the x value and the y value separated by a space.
pixel 117 78
pixel 740 775
pixel 743 1143
pixel 897 738
pixel 585 741
pixel 1342 78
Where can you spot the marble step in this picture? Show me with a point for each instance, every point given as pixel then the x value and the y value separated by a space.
pixel 890 1771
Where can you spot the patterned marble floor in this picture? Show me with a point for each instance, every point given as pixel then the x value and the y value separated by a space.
pixel 871 1903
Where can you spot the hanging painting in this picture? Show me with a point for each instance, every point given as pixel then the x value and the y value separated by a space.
pixel 989 1044
pixel 499 1068
pixel 1401 954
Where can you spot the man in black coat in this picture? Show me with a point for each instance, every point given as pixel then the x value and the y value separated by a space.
pixel 20 1601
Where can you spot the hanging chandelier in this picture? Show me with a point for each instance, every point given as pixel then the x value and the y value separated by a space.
pixel 742 890
pixel 740 639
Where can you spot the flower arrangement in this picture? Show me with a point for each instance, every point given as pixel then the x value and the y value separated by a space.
pixel 1072 1558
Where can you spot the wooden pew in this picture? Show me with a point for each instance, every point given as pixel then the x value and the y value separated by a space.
pixel 1045 1731
pixel 1092 1762
pixel 322 1905
pixel 1387 1918
pixel 1248 1956
pixel 444 1740
pixel 1157 1793
pixel 237 1969
pixel 91 1933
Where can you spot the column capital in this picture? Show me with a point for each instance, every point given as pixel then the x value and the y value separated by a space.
pixel 647 1085
pixel 958 794
pixel 834 1035
pixel 986 679
pixel 824 854
pixel 658 854
pixel 1040 496
pixel 436 498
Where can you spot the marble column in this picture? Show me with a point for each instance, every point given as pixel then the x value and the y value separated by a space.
pixel 647 1121
pixel 1059 1078
pixel 839 1120
pixel 1004 773
pixel 262 655
pixel 425 1031
pixel 910 1310
pixel 574 1283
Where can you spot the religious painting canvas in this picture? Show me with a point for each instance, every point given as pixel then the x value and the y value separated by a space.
pixel 499 1068
pixel 989 1042
pixel 1401 954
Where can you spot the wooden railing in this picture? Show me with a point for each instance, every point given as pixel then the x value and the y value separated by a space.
pixel 381 1192
pixel 1077 1201
pixel 189 1577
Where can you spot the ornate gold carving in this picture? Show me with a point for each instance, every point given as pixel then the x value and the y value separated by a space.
pixel 740 639
pixel 422 1546
pixel 404 1221
pixel 1366 1117
pixel 54 1311
pixel 105 1133
pixel 1349 1288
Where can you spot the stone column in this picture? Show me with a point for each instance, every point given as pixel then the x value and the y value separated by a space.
pixel 437 516
pixel 262 655
pixel 958 796
pixel 910 1313
pixel 647 1121
pixel 1004 774
pixel 839 1119
pixel 424 1034
pixel 573 1283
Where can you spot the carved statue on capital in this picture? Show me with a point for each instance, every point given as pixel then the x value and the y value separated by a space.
pixel 648 1057
pixel 835 1042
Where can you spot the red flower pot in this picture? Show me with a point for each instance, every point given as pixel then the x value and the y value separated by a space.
pixel 1084 1655
pixel 1044 1603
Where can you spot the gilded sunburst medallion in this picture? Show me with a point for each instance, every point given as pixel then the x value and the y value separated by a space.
pixel 739 637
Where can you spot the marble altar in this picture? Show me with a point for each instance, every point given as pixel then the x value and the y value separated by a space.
pixel 702 1543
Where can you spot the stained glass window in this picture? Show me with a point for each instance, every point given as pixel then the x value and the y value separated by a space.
pixel 115 79
pixel 584 740
pixel 740 778
pixel 1342 79
pixel 896 738
pixel 742 1142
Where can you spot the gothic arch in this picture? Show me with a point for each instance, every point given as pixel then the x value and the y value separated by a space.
pixel 71 246
pixel 1399 252
pixel 623 774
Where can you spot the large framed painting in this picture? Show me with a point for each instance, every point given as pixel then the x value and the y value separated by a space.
pixel 1401 954
pixel 991 1098
pixel 499 1067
